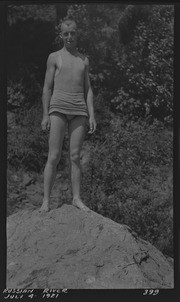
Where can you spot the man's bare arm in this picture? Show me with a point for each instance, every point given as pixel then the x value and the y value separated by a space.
pixel 48 84
pixel 89 98
pixel 47 91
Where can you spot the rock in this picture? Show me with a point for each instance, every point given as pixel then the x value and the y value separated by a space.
pixel 70 248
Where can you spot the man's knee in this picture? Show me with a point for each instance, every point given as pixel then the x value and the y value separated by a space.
pixel 75 157
pixel 53 158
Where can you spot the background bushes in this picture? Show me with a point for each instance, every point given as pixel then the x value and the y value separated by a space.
pixel 148 68
pixel 129 179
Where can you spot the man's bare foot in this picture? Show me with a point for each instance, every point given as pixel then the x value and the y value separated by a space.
pixel 44 207
pixel 79 204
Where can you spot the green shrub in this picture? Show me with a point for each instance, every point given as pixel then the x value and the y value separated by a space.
pixel 129 179
pixel 27 144
pixel 147 67
pixel 23 92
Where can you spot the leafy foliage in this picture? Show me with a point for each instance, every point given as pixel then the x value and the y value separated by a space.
pixel 42 12
pixel 27 144
pixel 147 67
pixel 129 179
pixel 23 92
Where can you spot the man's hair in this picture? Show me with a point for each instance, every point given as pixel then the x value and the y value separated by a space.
pixel 68 20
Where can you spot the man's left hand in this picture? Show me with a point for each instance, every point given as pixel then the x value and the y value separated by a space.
pixel 92 125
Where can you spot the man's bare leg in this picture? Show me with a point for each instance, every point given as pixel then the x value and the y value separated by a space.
pixel 76 137
pixel 56 136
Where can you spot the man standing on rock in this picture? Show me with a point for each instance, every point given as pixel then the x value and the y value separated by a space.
pixel 71 103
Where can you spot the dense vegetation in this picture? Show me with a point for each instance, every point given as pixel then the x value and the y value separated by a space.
pixel 129 175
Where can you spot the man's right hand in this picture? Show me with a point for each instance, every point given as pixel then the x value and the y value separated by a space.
pixel 46 123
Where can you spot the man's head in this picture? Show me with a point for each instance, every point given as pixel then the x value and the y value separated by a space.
pixel 69 33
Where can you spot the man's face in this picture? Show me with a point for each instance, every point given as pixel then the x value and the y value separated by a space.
pixel 69 34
